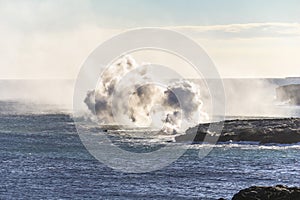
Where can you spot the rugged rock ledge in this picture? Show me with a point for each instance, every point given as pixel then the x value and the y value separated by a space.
pixel 289 93
pixel 283 131
pixel 278 192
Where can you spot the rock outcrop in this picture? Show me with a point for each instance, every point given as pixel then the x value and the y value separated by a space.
pixel 290 93
pixel 278 192
pixel 283 131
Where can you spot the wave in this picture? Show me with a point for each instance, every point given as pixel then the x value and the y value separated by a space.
pixel 247 145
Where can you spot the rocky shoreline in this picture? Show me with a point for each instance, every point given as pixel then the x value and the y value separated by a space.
pixel 279 192
pixel 263 131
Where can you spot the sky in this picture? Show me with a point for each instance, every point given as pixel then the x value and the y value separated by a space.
pixel 51 39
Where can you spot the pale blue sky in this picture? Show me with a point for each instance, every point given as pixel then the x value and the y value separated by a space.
pixel 53 15
pixel 196 12
pixel 245 38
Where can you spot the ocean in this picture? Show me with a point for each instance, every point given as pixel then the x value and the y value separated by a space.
pixel 42 157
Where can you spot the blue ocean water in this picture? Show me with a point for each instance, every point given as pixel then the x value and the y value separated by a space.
pixel 42 157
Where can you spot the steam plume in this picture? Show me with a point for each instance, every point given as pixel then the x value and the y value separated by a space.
pixel 177 102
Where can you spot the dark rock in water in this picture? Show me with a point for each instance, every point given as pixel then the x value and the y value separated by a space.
pixel 278 192
pixel 289 93
pixel 284 131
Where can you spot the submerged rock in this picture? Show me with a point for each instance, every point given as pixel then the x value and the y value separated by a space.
pixel 283 131
pixel 278 192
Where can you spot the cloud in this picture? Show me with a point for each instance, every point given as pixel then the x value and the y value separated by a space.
pixel 248 30
pixel 49 39
pixel 34 16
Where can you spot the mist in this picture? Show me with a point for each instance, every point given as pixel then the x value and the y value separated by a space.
pixel 35 96
pixel 244 98
pixel 250 98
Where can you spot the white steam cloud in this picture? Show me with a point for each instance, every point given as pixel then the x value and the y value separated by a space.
pixel 173 103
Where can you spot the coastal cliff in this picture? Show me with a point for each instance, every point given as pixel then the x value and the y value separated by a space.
pixel 289 93
pixel 282 131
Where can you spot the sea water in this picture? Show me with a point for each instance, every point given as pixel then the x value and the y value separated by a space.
pixel 42 157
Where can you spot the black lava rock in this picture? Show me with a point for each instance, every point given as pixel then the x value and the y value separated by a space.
pixel 278 192
pixel 283 131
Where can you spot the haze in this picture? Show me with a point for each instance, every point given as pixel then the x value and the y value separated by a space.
pixel 50 39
